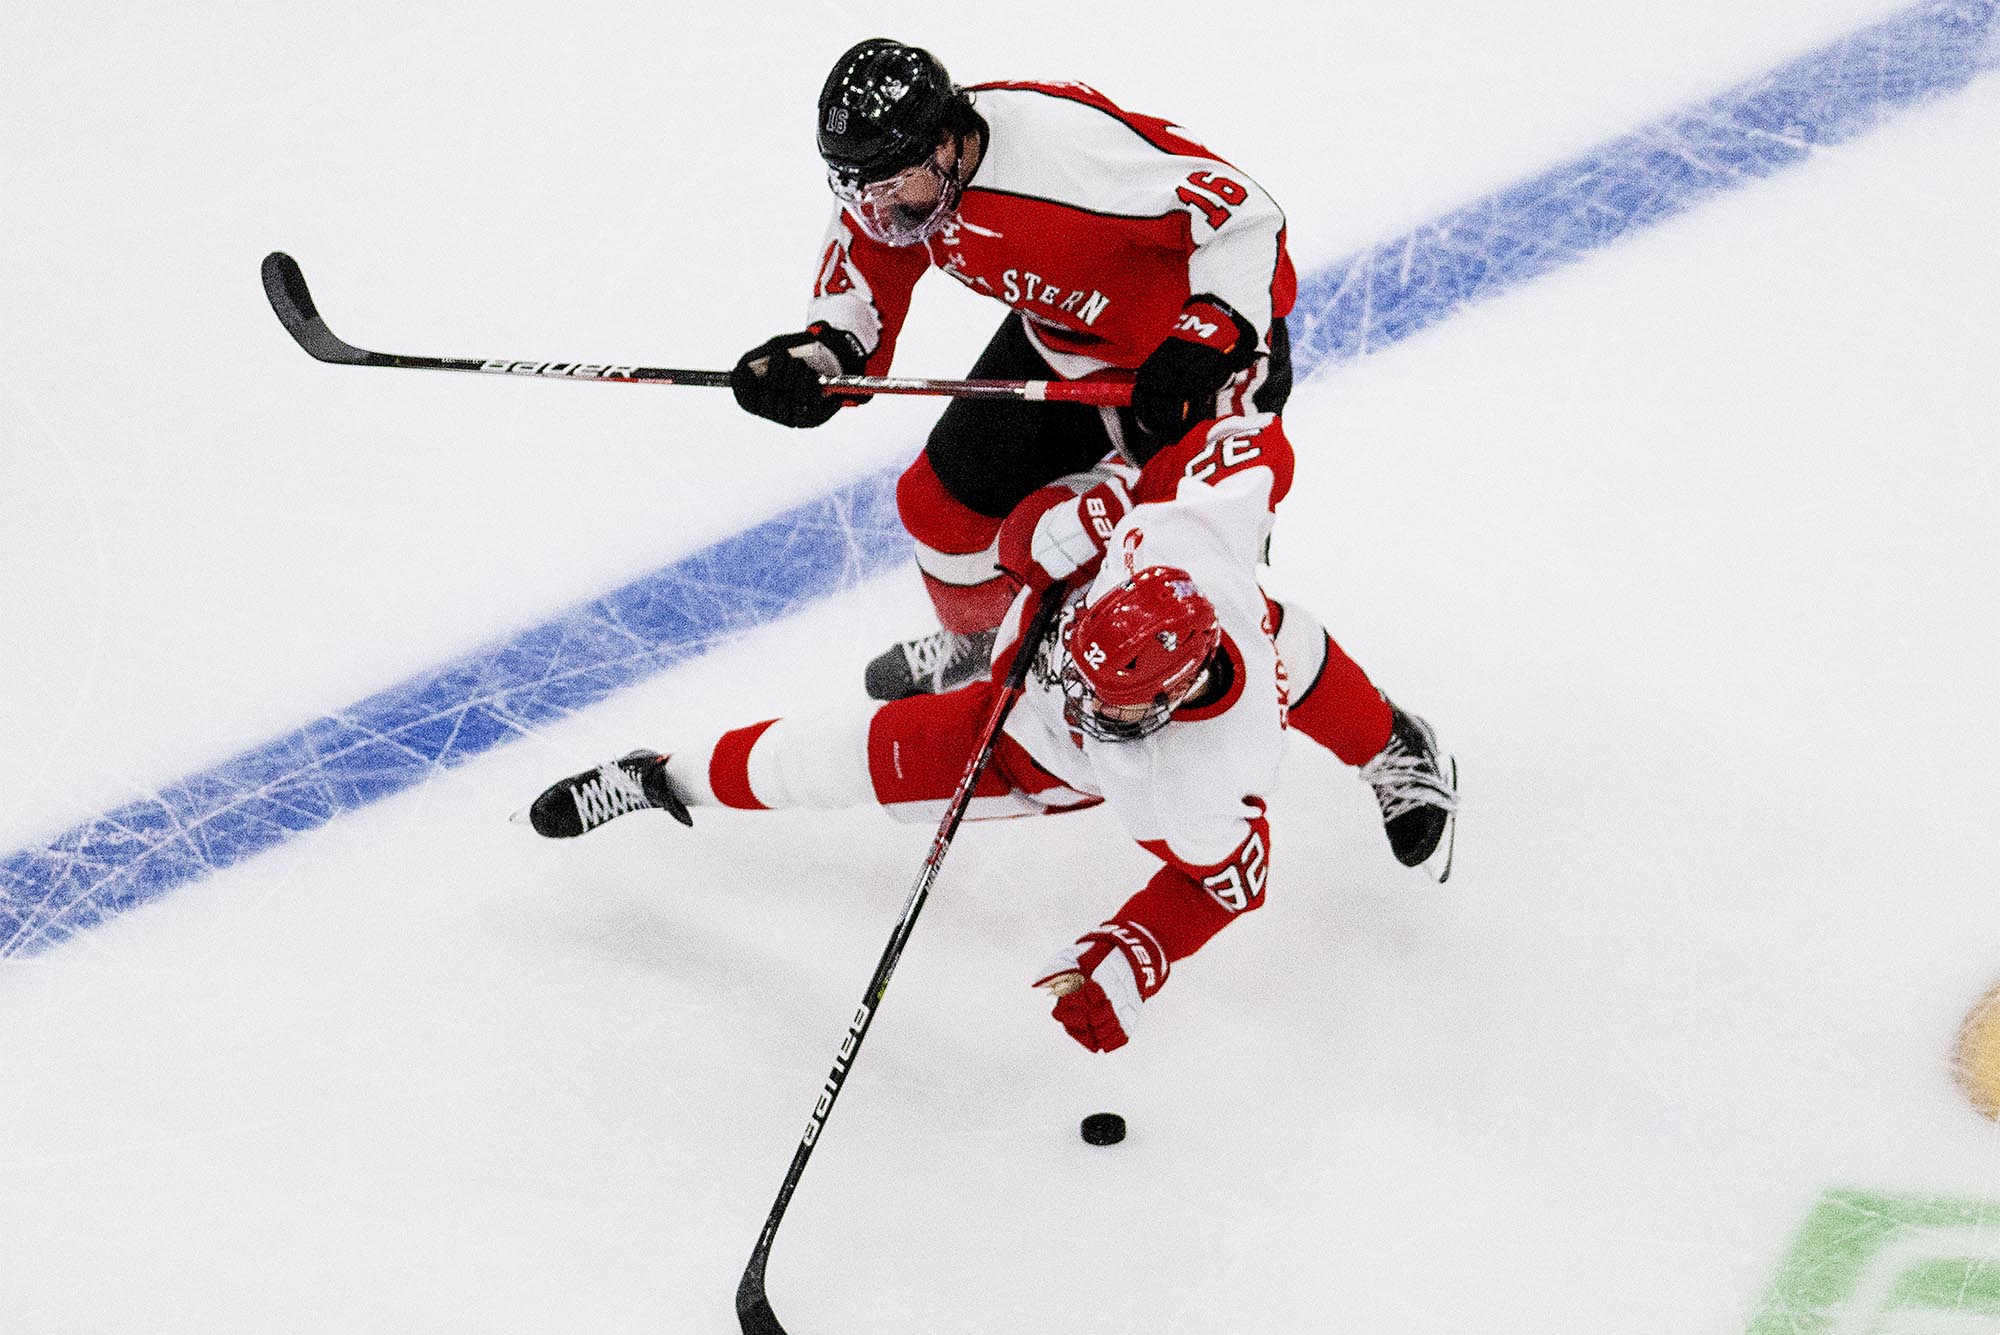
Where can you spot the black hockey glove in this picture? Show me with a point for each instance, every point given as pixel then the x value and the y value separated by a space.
pixel 1178 383
pixel 780 377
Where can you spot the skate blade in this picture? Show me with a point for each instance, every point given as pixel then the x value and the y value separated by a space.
pixel 1438 865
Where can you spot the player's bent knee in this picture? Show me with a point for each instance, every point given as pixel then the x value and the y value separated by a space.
pixel 937 518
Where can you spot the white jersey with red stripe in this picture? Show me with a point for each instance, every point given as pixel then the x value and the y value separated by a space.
pixel 1096 223
pixel 1193 792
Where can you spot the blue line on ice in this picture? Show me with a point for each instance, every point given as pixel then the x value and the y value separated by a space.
pixel 393 740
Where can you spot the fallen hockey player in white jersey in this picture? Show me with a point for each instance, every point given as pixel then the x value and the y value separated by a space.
pixel 1164 692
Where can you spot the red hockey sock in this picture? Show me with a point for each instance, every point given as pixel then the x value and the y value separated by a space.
pixel 966 608
pixel 955 550
pixel 1342 710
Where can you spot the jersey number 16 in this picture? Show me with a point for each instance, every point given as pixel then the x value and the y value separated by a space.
pixel 1207 184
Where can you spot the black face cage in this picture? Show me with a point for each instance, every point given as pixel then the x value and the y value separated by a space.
pixel 1080 711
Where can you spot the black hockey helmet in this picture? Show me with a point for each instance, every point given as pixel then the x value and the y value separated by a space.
pixel 883 108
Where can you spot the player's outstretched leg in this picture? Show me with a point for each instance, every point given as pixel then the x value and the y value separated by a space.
pixel 930 665
pixel 1416 785
pixel 582 802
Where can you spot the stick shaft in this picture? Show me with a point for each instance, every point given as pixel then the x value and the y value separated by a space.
pixel 753 1307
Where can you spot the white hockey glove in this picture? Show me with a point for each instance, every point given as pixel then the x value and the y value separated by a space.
pixel 1058 531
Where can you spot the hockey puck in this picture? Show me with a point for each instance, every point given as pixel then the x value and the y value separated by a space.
pixel 1103 1129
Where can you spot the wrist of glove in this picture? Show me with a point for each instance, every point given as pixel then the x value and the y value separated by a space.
pixel 1177 385
pixel 779 379
pixel 1060 531
pixel 1100 982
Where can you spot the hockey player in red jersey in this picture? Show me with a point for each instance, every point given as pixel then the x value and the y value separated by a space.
pixel 1165 693
pixel 1124 248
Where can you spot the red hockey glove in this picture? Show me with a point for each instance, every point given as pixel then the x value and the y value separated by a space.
pixel 1059 531
pixel 1178 383
pixel 1099 982
pixel 780 377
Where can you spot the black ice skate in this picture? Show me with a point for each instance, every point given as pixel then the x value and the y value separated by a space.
pixel 930 665
pixel 582 802
pixel 1417 788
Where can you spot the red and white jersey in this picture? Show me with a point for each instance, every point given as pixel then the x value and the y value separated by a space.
pixel 1095 223
pixel 1193 792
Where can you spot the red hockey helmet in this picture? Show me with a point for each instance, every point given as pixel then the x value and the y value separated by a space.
pixel 1136 653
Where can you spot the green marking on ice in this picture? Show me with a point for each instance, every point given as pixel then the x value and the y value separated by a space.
pixel 1870 1263
pixel 1963 1285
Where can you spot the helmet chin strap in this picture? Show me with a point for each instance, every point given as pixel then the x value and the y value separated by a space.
pixel 967 150
pixel 971 152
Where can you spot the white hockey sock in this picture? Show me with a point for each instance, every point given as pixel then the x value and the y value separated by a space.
pixel 817 761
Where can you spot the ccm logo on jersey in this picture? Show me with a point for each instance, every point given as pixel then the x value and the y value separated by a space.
pixel 1240 884
pixel 1200 328
pixel 580 370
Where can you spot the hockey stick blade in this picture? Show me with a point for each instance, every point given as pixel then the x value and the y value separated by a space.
pixel 753 1309
pixel 291 300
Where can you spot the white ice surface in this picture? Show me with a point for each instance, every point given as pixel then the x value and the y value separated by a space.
pixel 1688 550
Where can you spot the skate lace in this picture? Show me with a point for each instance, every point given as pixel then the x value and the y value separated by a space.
pixel 1405 781
pixel 930 656
pixel 939 659
pixel 610 792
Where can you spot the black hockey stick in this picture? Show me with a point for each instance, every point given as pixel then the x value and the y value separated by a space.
pixel 291 299
pixel 753 1308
